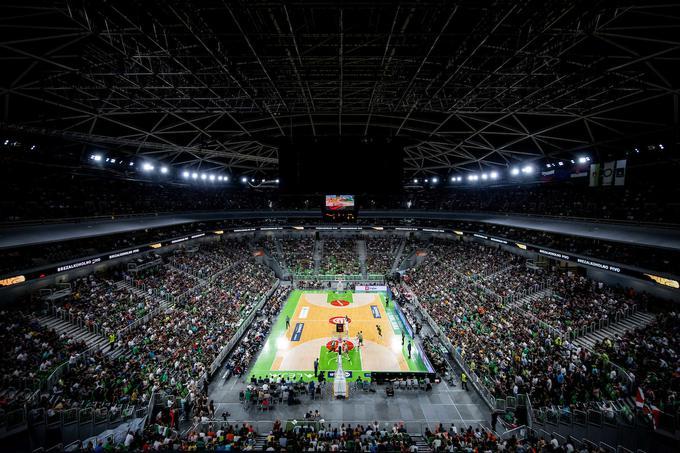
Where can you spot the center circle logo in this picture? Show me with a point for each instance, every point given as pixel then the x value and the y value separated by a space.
pixel 339 320
pixel 339 303
pixel 348 346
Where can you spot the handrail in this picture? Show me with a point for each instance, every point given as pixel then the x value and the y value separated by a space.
pixel 520 432
pixel 421 424
pixel 603 324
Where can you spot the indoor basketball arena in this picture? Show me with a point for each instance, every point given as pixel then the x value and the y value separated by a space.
pixel 350 226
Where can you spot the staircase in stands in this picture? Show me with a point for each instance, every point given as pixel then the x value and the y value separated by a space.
pixel 637 320
pixel 74 331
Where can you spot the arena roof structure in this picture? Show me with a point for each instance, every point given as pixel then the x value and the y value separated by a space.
pixel 471 84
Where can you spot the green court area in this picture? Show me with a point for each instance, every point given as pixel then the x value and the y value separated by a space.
pixel 290 351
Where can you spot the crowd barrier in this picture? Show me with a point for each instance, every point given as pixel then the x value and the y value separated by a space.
pixel 263 427
pixel 618 416
pixel 603 323
pixel 515 298
pixel 58 312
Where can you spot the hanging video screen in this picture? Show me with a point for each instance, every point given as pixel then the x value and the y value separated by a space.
pixel 340 202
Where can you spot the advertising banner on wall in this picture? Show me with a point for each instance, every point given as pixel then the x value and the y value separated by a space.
pixel 371 288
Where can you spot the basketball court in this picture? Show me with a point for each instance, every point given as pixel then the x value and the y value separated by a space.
pixel 312 333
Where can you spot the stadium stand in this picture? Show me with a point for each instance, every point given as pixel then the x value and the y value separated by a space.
pixel 383 226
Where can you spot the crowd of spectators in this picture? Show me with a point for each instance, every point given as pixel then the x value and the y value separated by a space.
pixel 160 436
pixel 298 253
pixel 576 301
pixel 472 258
pixel 97 381
pixel 247 349
pixel 652 354
pixel 171 352
pixel 511 352
pixel 515 279
pixel 301 251
pixel 633 203
pixel 339 256
pixel 481 439
pixel 164 281
pixel 176 347
pixel 319 437
pixel 206 261
pixel 98 302
pixel 381 252
pixel 29 353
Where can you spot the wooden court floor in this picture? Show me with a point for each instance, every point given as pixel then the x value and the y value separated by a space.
pixel 312 317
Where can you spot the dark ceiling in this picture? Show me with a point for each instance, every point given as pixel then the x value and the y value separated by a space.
pixel 468 84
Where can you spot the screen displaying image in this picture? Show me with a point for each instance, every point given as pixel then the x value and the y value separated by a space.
pixel 339 202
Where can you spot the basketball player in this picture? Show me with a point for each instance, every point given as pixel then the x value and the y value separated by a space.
pixel 346 349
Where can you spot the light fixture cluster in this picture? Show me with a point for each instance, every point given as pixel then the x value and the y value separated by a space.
pixel 194 175
pixel 518 171
pixel 101 159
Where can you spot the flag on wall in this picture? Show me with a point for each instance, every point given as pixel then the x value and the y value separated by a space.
pixel 594 175
pixel 608 173
pixel 620 175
